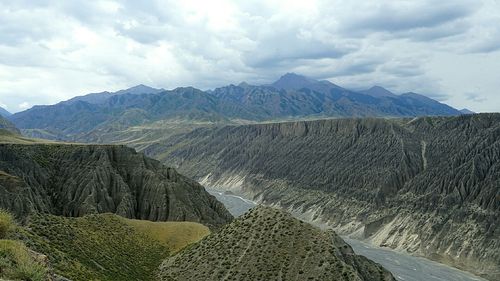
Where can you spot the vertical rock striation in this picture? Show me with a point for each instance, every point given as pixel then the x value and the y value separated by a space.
pixel 75 180
pixel 429 185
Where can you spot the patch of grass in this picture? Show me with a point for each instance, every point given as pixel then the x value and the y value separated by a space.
pixel 17 263
pixel 173 235
pixel 6 223
pixel 95 247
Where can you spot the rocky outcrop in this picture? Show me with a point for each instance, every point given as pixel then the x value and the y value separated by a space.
pixel 429 186
pixel 269 244
pixel 75 180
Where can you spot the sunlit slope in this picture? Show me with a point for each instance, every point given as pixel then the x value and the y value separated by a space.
pixel 173 235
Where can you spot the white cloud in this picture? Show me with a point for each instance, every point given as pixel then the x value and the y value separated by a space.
pixel 52 50
pixel 24 105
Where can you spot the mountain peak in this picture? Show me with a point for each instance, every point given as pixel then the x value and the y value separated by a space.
pixel 139 89
pixel 467 111
pixel 378 91
pixel 293 81
pixel 4 112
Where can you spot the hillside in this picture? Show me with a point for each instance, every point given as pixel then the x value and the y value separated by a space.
pixel 75 180
pixel 4 112
pixel 94 247
pixel 107 116
pixel 8 126
pixel 429 186
pixel 268 244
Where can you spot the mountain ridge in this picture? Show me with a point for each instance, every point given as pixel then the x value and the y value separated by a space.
pixel 4 112
pixel 291 97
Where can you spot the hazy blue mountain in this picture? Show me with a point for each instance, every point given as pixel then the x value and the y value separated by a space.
pixel 103 96
pixel 292 81
pixel 8 126
pixel 290 97
pixel 4 112
pixel 467 111
pixel 377 91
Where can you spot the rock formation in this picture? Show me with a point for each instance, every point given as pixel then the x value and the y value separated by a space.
pixel 429 185
pixel 75 180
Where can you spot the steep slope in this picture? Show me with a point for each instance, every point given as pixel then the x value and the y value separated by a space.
pixel 75 180
pixel 95 247
pixel 4 112
pixel 268 244
pixel 430 186
pixel 8 126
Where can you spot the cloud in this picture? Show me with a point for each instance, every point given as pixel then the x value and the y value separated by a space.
pixel 475 97
pixel 24 105
pixel 53 50
pixel 407 16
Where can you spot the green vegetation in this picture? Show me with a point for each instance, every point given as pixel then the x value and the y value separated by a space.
pixel 269 244
pixel 17 262
pixel 173 235
pixel 94 247
pixel 6 222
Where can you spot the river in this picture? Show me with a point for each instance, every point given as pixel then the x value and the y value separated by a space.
pixel 403 266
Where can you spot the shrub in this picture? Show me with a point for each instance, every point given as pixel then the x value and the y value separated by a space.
pixel 6 223
pixel 17 263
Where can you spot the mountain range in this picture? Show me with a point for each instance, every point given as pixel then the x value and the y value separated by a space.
pixel 291 97
pixel 4 112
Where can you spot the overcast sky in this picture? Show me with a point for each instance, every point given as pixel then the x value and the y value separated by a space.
pixel 54 50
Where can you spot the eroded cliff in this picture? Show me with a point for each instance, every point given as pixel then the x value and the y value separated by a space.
pixel 430 186
pixel 75 180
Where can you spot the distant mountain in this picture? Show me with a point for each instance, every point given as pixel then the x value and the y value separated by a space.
pixel 8 126
pixel 97 98
pixel 292 81
pixel 270 244
pixel 4 112
pixel 467 111
pixel 378 92
pixel 291 97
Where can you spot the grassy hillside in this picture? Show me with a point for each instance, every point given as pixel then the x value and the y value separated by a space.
pixel 95 247
pixel 10 137
pixel 269 244
pixel 17 262
pixel 106 246
pixel 173 235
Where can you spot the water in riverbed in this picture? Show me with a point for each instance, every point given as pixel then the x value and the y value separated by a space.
pixel 403 266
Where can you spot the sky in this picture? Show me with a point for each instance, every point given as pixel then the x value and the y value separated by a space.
pixel 54 50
